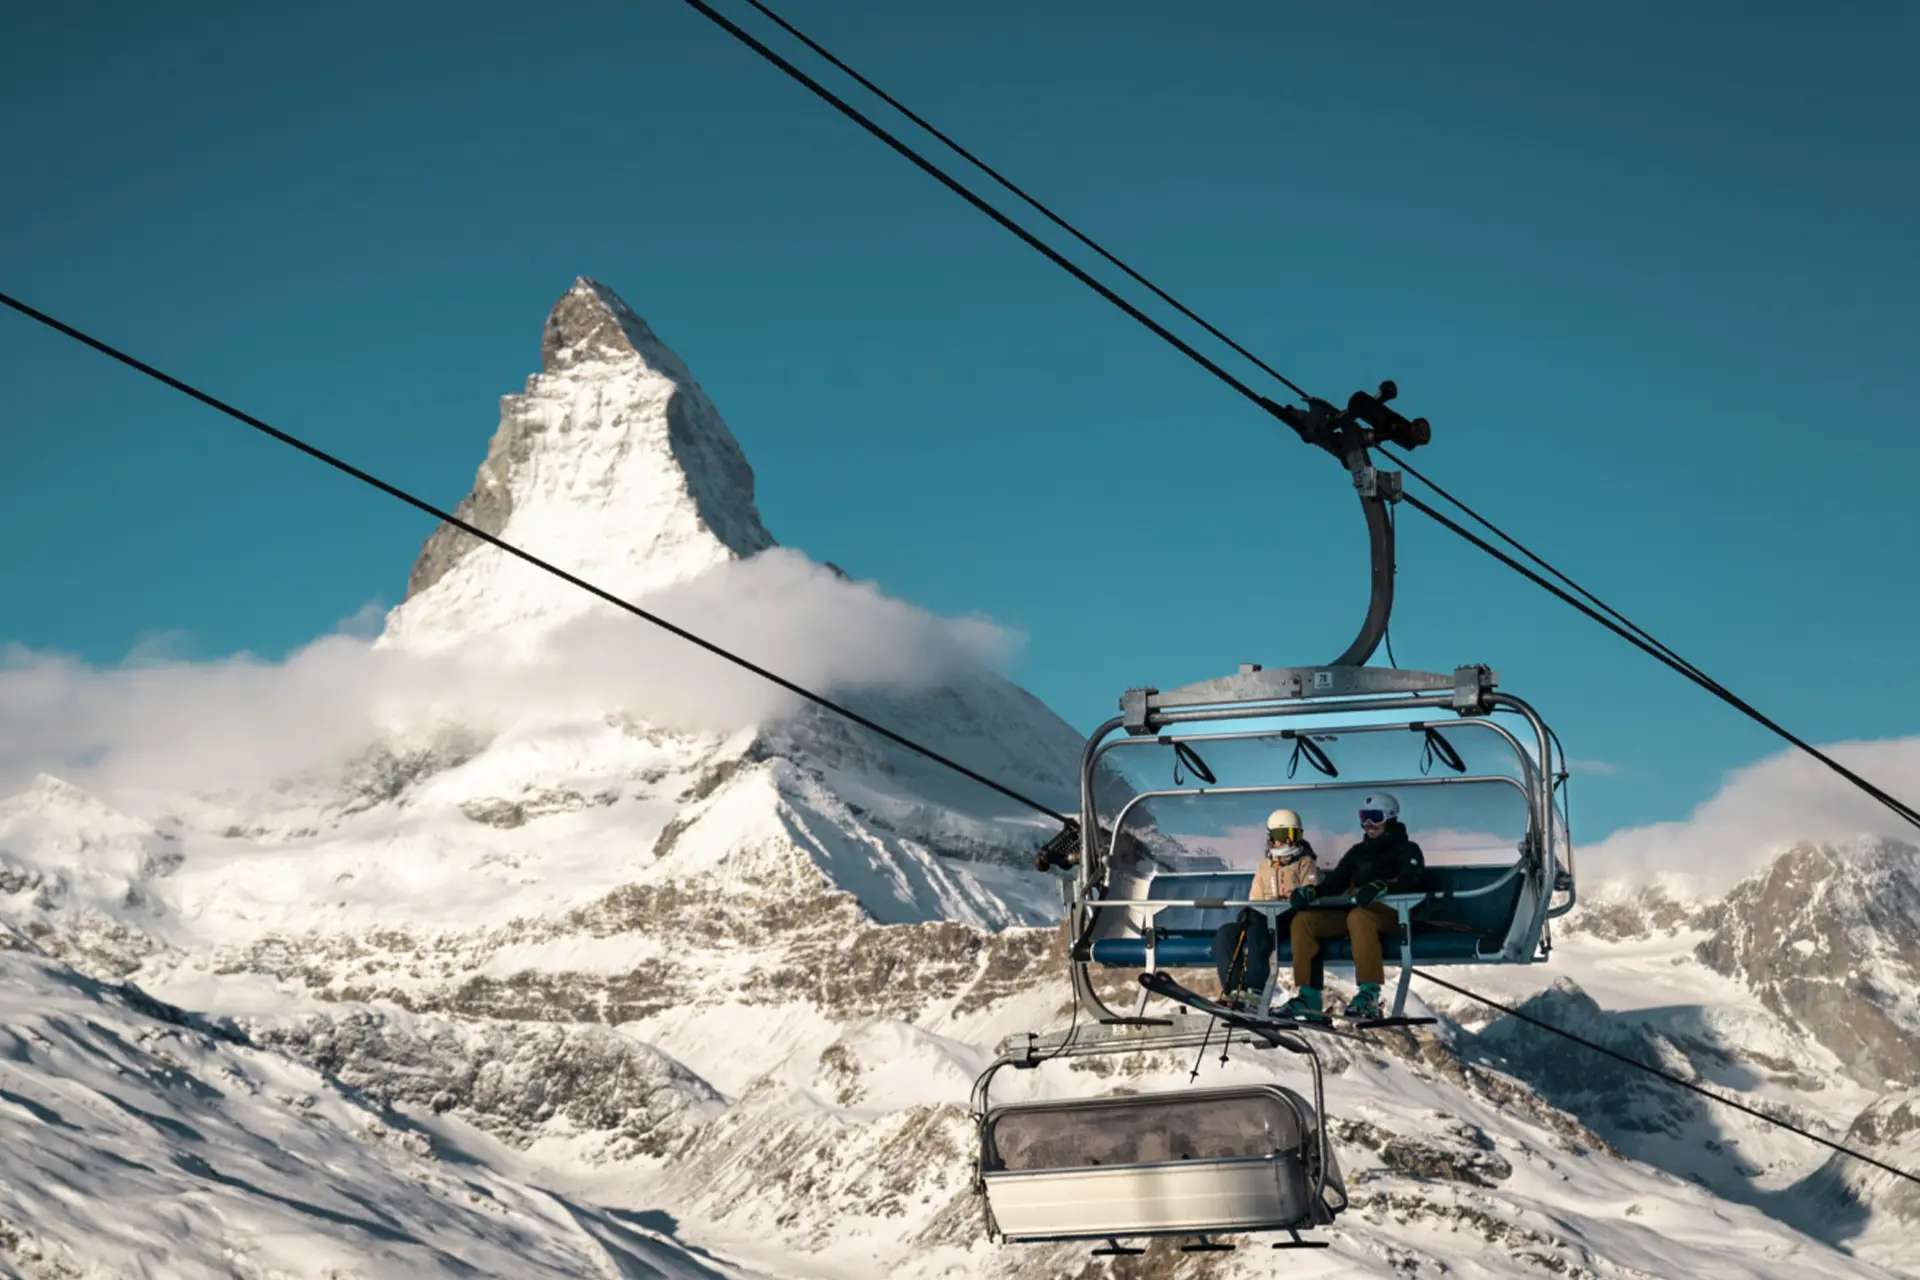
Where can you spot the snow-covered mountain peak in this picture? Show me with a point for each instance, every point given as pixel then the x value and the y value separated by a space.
pixel 613 464
pixel 47 792
pixel 1829 934
pixel 593 324
pixel 1621 909
pixel 62 822
pixel 78 874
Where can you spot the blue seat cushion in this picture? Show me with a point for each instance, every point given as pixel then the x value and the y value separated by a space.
pixel 1444 928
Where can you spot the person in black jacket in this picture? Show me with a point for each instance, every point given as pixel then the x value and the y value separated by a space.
pixel 1386 861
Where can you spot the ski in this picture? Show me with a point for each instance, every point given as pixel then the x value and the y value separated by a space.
pixel 1162 984
pixel 1374 1024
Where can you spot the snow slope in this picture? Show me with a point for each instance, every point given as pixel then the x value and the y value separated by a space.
pixel 136 1140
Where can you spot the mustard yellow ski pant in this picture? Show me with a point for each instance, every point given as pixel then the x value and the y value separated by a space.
pixel 1363 925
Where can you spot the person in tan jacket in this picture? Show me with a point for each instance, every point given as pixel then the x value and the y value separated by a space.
pixel 1243 947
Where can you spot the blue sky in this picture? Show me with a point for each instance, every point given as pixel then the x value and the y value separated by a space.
pixel 1650 271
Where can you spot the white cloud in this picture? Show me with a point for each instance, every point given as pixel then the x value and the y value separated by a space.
pixel 175 724
pixel 1763 809
pixel 365 622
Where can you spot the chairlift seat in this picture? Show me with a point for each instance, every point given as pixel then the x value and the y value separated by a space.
pixel 1446 929
pixel 1211 1160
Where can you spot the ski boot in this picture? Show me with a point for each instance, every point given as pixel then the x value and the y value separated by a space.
pixel 1244 999
pixel 1365 1005
pixel 1304 1007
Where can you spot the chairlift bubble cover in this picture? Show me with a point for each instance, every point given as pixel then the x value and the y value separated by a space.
pixel 1239 1159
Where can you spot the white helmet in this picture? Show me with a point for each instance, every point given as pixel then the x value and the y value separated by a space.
pixel 1385 803
pixel 1284 827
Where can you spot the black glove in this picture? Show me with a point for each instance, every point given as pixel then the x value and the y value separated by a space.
pixel 1300 897
pixel 1368 892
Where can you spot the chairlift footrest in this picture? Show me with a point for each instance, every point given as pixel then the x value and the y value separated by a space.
pixel 1118 1021
pixel 1302 1244
pixel 1374 1024
pixel 1113 1250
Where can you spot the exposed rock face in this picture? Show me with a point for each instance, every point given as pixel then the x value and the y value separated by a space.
pixel 1840 1198
pixel 519 1081
pixel 1457 1153
pixel 486 506
pixel 1831 937
pixel 1607 1094
pixel 613 464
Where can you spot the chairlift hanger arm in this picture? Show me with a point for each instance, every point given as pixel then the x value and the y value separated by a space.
pixel 1348 434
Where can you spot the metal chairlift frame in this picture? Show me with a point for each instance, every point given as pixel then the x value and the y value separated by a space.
pixel 1151 718
pixel 1343 686
pixel 1180 717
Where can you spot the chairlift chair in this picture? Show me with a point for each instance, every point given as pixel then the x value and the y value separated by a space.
pixel 1144 897
pixel 1251 1158
pixel 1138 903
pixel 1138 911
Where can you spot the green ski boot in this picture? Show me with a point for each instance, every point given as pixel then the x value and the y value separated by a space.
pixel 1365 1005
pixel 1304 1007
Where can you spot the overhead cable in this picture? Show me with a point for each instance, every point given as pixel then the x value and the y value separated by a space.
pixel 1678 1082
pixel 1022 194
pixel 1898 806
pixel 447 517
pixel 1599 611
pixel 954 185
pixel 1400 461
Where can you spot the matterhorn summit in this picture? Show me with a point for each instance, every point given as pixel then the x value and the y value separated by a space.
pixel 613 465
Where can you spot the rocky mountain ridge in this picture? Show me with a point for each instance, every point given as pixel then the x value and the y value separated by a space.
pixel 613 464
pixel 1830 936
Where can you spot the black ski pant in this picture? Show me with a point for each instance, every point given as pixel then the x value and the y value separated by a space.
pixel 1243 952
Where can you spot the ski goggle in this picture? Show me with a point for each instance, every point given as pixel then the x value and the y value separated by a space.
pixel 1373 815
pixel 1283 835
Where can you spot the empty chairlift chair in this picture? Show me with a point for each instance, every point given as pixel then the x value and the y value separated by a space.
pixel 1245 1159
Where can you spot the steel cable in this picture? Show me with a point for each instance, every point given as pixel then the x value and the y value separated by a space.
pixel 1672 1079
pixel 1598 610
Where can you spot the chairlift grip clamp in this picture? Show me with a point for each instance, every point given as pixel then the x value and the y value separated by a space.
pixel 1365 423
